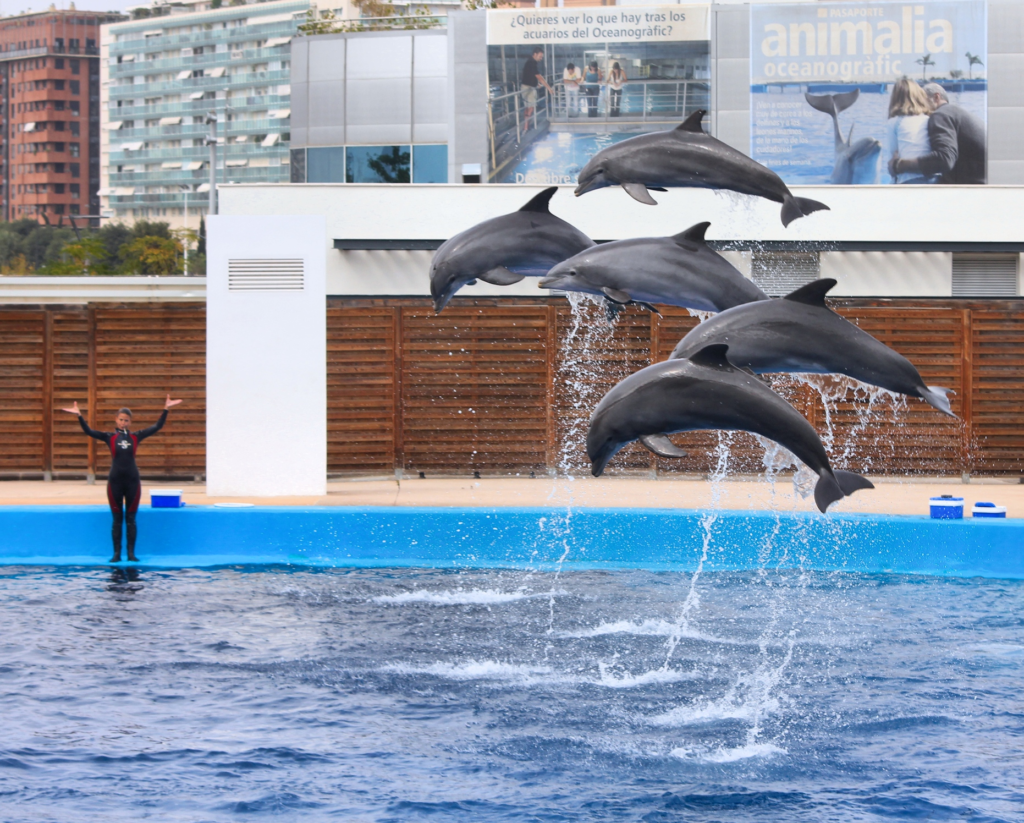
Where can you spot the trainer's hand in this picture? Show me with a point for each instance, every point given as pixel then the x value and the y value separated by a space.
pixel 170 403
pixel 73 409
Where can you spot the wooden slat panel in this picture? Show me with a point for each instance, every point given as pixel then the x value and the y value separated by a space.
pixel 70 361
pixel 474 388
pixel 22 336
pixel 360 389
pixel 143 354
pixel 998 391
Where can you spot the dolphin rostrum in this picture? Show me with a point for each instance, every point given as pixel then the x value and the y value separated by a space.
pixel 679 271
pixel 503 250
pixel 706 391
pixel 856 163
pixel 687 157
pixel 800 333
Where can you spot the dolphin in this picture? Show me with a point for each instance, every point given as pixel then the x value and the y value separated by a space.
pixel 681 270
pixel 503 250
pixel 856 163
pixel 705 391
pixel 687 157
pixel 800 333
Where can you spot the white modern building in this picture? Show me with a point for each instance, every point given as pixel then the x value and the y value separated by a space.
pixel 163 73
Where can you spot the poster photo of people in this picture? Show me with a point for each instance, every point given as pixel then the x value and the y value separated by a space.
pixel 563 83
pixel 870 93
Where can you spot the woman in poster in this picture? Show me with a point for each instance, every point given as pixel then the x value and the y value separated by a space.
pixel 907 129
pixel 616 80
pixel 592 78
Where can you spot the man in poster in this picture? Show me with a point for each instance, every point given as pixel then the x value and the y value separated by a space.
pixel 957 141
pixel 529 82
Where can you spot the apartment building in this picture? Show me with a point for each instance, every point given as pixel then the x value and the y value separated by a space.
pixel 161 76
pixel 49 82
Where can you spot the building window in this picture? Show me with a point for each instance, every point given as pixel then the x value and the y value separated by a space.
pixel 58 188
pixel 58 208
pixel 74 64
pixel 58 62
pixel 75 191
pixel 985 275
pixel 74 208
pixel 325 165
pixel 58 85
pixel 75 170
pixel 74 108
pixel 76 87
pixel 377 164
pixel 75 128
pixel 74 149
pixel 58 168
pixel 429 164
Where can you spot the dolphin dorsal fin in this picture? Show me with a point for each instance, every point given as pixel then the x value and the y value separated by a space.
pixel 694 234
pixel 540 202
pixel 813 294
pixel 692 123
pixel 713 357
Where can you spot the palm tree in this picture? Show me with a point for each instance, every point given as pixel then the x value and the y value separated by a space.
pixel 925 62
pixel 972 61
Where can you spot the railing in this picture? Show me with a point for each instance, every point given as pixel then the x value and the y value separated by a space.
pixel 36 51
pixel 235 128
pixel 199 83
pixel 184 107
pixel 640 100
pixel 133 67
pixel 134 38
pixel 506 114
pixel 238 150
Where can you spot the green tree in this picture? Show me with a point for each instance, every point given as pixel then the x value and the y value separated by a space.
pixel 924 63
pixel 972 61
pixel 151 255
pixel 88 256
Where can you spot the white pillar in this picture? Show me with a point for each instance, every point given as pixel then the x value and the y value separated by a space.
pixel 266 356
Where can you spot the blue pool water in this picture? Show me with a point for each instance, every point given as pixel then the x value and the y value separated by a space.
pixel 559 157
pixel 408 694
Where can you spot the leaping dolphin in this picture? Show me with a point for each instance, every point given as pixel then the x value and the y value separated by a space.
pixel 800 333
pixel 856 163
pixel 681 270
pixel 706 391
pixel 503 250
pixel 687 157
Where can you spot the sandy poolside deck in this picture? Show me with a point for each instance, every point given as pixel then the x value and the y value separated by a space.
pixel 891 495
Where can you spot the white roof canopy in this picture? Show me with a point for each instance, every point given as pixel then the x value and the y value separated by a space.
pixel 271 139
pixel 170 121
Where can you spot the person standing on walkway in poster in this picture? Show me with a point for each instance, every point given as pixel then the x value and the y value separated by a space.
pixel 531 79
pixel 592 79
pixel 616 80
pixel 906 135
pixel 124 486
pixel 957 140
pixel 571 78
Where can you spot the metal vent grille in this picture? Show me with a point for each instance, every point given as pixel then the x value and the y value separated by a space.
pixel 779 272
pixel 985 275
pixel 260 274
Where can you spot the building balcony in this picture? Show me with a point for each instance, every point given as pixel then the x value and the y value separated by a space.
pixel 200 84
pixel 133 41
pixel 198 107
pixel 229 150
pixel 202 61
pixel 41 51
pixel 193 130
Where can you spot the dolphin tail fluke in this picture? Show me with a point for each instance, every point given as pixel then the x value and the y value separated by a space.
pixel 835 485
pixel 936 396
pixel 796 207
pixel 832 103
pixel 850 482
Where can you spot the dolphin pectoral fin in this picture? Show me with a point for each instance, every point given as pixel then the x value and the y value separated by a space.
pixel 471 282
pixel 616 295
pixel 690 236
pixel 693 122
pixel 660 445
pixel 813 294
pixel 500 276
pixel 713 357
pixel 611 310
pixel 539 203
pixel 638 191
pixel 935 396
pixel 656 188
pixel 796 207
pixel 647 306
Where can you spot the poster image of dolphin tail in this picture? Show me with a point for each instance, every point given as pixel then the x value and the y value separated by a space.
pixel 856 162
pixel 862 93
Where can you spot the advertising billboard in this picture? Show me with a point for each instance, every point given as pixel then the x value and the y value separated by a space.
pixel 565 82
pixel 870 93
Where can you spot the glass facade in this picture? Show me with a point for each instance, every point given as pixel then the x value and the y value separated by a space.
pixel 164 74
pixel 374 164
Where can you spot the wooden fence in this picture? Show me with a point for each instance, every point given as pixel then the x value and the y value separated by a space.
pixel 498 386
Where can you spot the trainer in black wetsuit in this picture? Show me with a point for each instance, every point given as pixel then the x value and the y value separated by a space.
pixel 124 486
